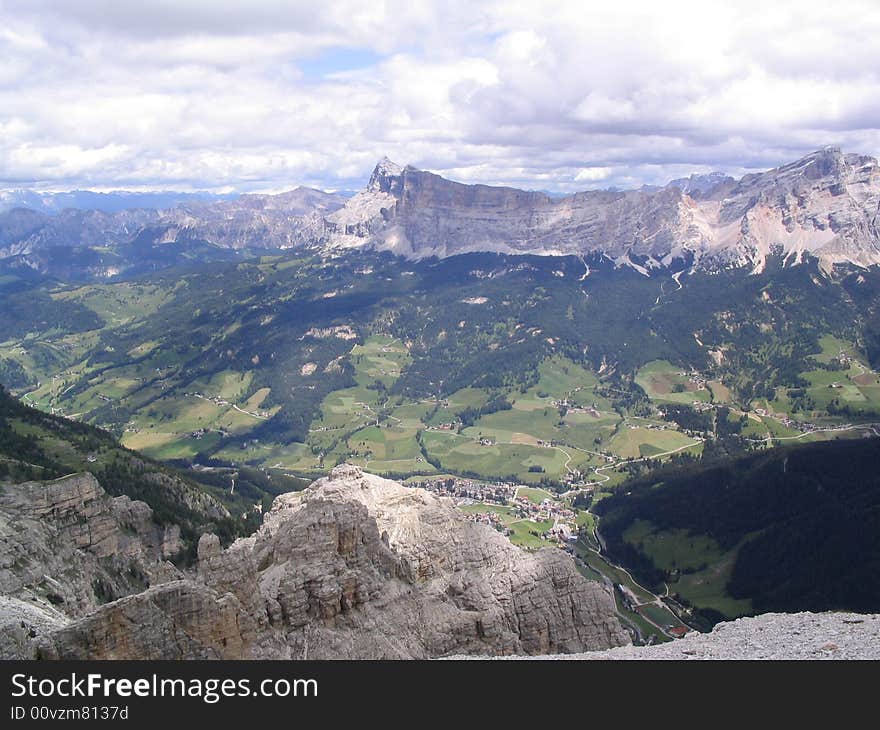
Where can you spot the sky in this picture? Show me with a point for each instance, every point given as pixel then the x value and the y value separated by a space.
pixel 266 95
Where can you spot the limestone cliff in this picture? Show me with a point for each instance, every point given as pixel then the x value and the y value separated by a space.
pixel 824 205
pixel 66 546
pixel 360 567
pixel 353 567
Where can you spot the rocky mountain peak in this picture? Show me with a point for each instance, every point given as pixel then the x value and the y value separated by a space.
pixel 698 185
pixel 824 205
pixel 354 566
pixel 385 177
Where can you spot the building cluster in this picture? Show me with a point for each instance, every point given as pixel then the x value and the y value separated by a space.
pixel 572 407
pixel 548 510
pixel 698 380
pixel 470 490
pixel 488 518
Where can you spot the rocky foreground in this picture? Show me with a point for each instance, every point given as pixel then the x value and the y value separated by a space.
pixel 787 636
pixel 354 567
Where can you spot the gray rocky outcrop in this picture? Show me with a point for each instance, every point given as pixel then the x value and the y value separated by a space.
pixel 770 636
pixel 67 547
pixel 22 626
pixel 824 205
pixel 177 620
pixel 360 567
pixel 355 566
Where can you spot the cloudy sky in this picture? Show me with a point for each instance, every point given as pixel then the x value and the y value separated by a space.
pixel 269 94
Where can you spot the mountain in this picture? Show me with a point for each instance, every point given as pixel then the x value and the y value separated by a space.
pixel 698 185
pixel 353 567
pixel 790 529
pixel 78 245
pixel 825 205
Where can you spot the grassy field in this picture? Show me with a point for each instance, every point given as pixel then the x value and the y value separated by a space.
pixel 526 533
pixel 855 386
pixel 174 428
pixel 461 454
pixel 380 358
pixel 659 615
pixel 641 442
pixel 535 496
pixel 704 568
pixel 119 303
pixel 506 514
pixel 664 382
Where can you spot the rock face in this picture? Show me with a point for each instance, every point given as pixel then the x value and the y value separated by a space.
pixel 66 547
pixel 21 626
pixel 177 620
pixel 360 567
pixel 353 567
pixel 825 205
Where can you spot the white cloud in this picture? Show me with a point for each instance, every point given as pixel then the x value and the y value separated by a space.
pixel 592 174
pixel 268 95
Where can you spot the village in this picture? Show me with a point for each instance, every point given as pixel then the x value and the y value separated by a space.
pixel 554 522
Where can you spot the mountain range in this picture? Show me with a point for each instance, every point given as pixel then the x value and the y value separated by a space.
pixel 536 359
pixel 824 205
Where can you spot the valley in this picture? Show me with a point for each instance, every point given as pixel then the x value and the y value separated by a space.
pixel 485 371
pixel 434 331
pixel 364 385
pixel 532 389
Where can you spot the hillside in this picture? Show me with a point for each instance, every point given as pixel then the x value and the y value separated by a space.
pixel 38 446
pixel 295 363
pixel 794 528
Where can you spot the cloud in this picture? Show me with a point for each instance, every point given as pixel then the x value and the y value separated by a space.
pixel 268 95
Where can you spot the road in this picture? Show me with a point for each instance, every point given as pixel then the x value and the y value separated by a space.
pixel 613 465
pixel 657 600
pixel 240 410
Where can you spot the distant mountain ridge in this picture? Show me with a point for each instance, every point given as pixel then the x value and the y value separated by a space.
pixel 697 185
pixel 78 244
pixel 825 205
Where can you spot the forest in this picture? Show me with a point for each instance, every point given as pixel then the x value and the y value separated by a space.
pixel 804 522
